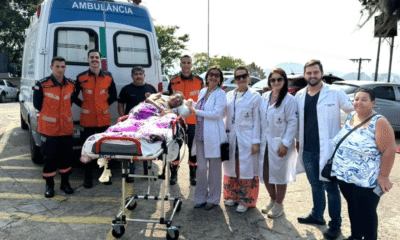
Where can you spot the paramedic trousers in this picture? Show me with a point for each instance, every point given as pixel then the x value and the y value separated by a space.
pixel 191 129
pixel 57 154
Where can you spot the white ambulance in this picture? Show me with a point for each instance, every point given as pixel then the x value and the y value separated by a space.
pixel 123 32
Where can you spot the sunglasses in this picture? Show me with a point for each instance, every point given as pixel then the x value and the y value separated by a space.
pixel 243 76
pixel 216 75
pixel 276 79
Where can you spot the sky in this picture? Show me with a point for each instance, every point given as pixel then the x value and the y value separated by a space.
pixel 270 32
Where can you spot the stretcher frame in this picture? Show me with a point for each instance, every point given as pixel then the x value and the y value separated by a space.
pixel 118 224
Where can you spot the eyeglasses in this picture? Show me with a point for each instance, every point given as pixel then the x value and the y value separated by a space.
pixel 243 76
pixel 276 79
pixel 216 75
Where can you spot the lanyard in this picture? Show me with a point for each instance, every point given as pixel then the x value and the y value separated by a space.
pixel 234 105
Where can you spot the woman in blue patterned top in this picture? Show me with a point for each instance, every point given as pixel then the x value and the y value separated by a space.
pixel 363 162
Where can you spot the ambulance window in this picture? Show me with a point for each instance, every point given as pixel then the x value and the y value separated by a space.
pixel 131 49
pixel 74 44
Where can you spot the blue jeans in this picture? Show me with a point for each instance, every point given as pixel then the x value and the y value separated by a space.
pixel 311 164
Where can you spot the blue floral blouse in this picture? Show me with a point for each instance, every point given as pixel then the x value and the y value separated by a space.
pixel 358 159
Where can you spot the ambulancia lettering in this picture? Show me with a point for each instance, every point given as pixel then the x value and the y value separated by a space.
pixel 102 7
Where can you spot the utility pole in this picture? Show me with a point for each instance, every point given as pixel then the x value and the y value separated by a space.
pixel 359 60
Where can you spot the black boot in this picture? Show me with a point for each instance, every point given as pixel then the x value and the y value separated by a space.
pixel 88 182
pixel 192 170
pixel 49 193
pixel 174 175
pixel 65 184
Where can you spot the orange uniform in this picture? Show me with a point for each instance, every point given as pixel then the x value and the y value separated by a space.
pixel 98 94
pixel 53 100
pixel 190 87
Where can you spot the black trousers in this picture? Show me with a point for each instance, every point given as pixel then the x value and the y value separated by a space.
pixel 191 130
pixel 362 203
pixel 57 154
pixel 89 131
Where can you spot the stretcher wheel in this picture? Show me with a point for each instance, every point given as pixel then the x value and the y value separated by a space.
pixel 172 233
pixel 118 231
pixel 179 206
pixel 132 206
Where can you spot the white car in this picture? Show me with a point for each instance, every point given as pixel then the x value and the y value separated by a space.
pixel 8 91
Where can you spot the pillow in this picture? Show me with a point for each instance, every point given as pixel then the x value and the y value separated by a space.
pixel 183 110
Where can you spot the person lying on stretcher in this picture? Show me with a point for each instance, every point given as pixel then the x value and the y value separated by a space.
pixel 166 104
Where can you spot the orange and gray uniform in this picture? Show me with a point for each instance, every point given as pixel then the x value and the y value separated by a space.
pixel 53 100
pixel 98 93
pixel 190 87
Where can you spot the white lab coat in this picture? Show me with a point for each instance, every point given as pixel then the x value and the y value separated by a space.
pixel 279 126
pixel 246 130
pixel 214 127
pixel 331 100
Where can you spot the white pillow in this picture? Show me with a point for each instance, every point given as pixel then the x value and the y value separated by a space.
pixel 183 110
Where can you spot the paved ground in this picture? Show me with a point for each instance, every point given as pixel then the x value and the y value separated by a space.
pixel 26 214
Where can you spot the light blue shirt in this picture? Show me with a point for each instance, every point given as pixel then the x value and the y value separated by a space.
pixel 358 159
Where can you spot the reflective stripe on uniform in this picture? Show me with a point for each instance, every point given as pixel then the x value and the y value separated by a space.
pixel 88 91
pixel 85 111
pixel 48 175
pixel 49 119
pixel 51 95
pixel 65 170
pixel 67 96
pixel 106 111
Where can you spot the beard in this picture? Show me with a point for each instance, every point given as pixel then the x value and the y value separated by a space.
pixel 313 84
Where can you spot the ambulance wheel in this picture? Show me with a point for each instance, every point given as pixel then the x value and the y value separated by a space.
pixel 172 234
pixel 118 231
pixel 24 125
pixel 36 155
pixel 131 206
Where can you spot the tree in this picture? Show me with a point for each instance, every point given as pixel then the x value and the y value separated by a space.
pixel 14 19
pixel 389 9
pixel 256 71
pixel 226 63
pixel 170 46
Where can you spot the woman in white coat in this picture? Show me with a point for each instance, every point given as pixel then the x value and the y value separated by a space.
pixel 278 156
pixel 241 172
pixel 210 133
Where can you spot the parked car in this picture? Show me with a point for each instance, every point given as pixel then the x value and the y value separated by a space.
pixel 8 91
pixel 165 82
pixel 297 81
pixel 261 86
pixel 387 97
pixel 229 84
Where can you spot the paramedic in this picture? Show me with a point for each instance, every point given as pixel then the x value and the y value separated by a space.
pixel 52 99
pixel 190 85
pixel 98 93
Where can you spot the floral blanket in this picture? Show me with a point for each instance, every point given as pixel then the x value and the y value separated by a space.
pixel 144 124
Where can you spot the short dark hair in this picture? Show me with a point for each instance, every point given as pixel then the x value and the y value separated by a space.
pixel 221 76
pixel 57 58
pixel 369 91
pixel 284 90
pixel 186 56
pixel 93 50
pixel 313 62
pixel 137 69
pixel 240 68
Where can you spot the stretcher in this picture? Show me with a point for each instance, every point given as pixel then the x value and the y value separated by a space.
pixel 110 148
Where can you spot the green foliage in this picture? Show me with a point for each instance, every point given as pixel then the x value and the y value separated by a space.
pixel 256 71
pixel 14 19
pixel 170 46
pixel 226 63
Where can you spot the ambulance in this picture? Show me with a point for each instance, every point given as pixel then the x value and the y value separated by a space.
pixel 122 31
